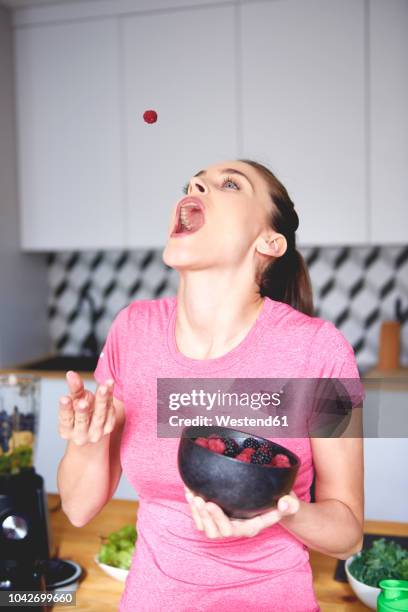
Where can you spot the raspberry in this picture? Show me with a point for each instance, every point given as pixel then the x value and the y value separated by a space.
pixel 202 442
pixel 216 445
pixel 150 116
pixel 280 460
pixel 262 457
pixel 231 447
pixel 251 443
pixel 248 451
pixel 243 456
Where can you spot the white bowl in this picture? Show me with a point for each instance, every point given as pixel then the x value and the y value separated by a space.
pixel 115 572
pixel 367 594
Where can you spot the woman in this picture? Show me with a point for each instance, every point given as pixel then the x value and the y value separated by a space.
pixel 243 309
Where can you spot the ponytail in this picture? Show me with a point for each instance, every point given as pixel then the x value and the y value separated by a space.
pixel 286 278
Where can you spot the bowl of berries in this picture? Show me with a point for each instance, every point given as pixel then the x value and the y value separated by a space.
pixel 243 474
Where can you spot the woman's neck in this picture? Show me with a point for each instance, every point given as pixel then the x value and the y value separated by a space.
pixel 214 313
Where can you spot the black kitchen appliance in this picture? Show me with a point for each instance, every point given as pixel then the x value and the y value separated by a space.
pixel 25 537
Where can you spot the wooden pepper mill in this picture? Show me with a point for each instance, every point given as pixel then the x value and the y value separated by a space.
pixel 390 341
pixel 390 345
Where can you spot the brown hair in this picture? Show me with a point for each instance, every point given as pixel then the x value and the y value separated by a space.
pixel 286 278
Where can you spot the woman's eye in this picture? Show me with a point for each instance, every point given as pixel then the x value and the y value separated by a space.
pixel 228 182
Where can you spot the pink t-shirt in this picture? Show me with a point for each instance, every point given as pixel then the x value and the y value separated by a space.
pixel 175 566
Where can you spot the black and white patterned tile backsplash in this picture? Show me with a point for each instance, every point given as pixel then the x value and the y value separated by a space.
pixel 355 287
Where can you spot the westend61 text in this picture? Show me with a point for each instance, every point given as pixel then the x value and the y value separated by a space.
pixel 228 421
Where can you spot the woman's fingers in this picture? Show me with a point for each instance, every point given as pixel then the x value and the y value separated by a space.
pixel 220 519
pixel 248 527
pixel 77 389
pixel 85 417
pixel 111 415
pixel 194 511
pixel 82 411
pixel 66 417
pixel 209 517
pixel 209 526
pixel 101 408
pixel 75 385
pixel 288 504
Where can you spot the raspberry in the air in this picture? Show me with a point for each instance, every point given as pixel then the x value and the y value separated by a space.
pixel 150 116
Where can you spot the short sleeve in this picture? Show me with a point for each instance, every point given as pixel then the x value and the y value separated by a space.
pixel 112 358
pixel 339 362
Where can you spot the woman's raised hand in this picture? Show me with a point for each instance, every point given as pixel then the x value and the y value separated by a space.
pixel 211 519
pixel 83 416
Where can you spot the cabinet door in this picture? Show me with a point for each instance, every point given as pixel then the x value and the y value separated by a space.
pixel 389 120
pixel 181 64
pixel 69 136
pixel 303 90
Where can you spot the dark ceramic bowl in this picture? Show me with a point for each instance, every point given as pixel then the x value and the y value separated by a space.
pixel 242 490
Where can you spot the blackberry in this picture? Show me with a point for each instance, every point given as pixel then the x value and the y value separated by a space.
pixel 267 448
pixel 262 456
pixel 251 443
pixel 231 447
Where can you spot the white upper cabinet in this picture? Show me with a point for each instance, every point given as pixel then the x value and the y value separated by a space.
pixel 303 92
pixel 389 120
pixel 317 90
pixel 69 136
pixel 183 65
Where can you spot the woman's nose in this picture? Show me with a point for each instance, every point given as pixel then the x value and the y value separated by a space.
pixel 198 185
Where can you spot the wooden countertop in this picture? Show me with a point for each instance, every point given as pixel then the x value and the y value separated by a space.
pixel 401 372
pixel 394 380
pixel 24 368
pixel 44 373
pixel 388 380
pixel 373 378
pixel 97 589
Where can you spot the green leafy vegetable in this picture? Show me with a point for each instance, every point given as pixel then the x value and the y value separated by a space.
pixel 119 548
pixel 16 460
pixel 385 559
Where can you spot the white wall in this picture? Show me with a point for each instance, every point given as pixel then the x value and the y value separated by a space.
pixel 385 454
pixel 23 278
pixel 386 479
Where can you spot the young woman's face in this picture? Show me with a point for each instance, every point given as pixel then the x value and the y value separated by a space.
pixel 222 223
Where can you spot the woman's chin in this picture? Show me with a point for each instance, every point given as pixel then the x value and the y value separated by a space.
pixel 176 257
pixel 186 258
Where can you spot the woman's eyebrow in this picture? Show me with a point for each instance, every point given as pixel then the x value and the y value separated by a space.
pixel 229 171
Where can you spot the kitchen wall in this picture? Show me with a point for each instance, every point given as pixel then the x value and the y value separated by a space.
pixel 355 287
pixel 23 277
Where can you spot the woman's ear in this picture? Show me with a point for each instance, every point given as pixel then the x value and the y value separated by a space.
pixel 274 246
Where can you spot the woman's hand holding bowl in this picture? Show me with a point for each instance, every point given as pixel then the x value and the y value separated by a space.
pixel 211 519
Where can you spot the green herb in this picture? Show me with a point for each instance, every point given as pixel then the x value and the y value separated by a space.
pixel 119 548
pixel 385 559
pixel 20 458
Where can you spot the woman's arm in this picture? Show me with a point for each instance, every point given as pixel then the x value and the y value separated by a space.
pixel 90 470
pixel 334 524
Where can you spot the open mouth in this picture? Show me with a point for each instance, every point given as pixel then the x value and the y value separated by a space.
pixel 190 217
